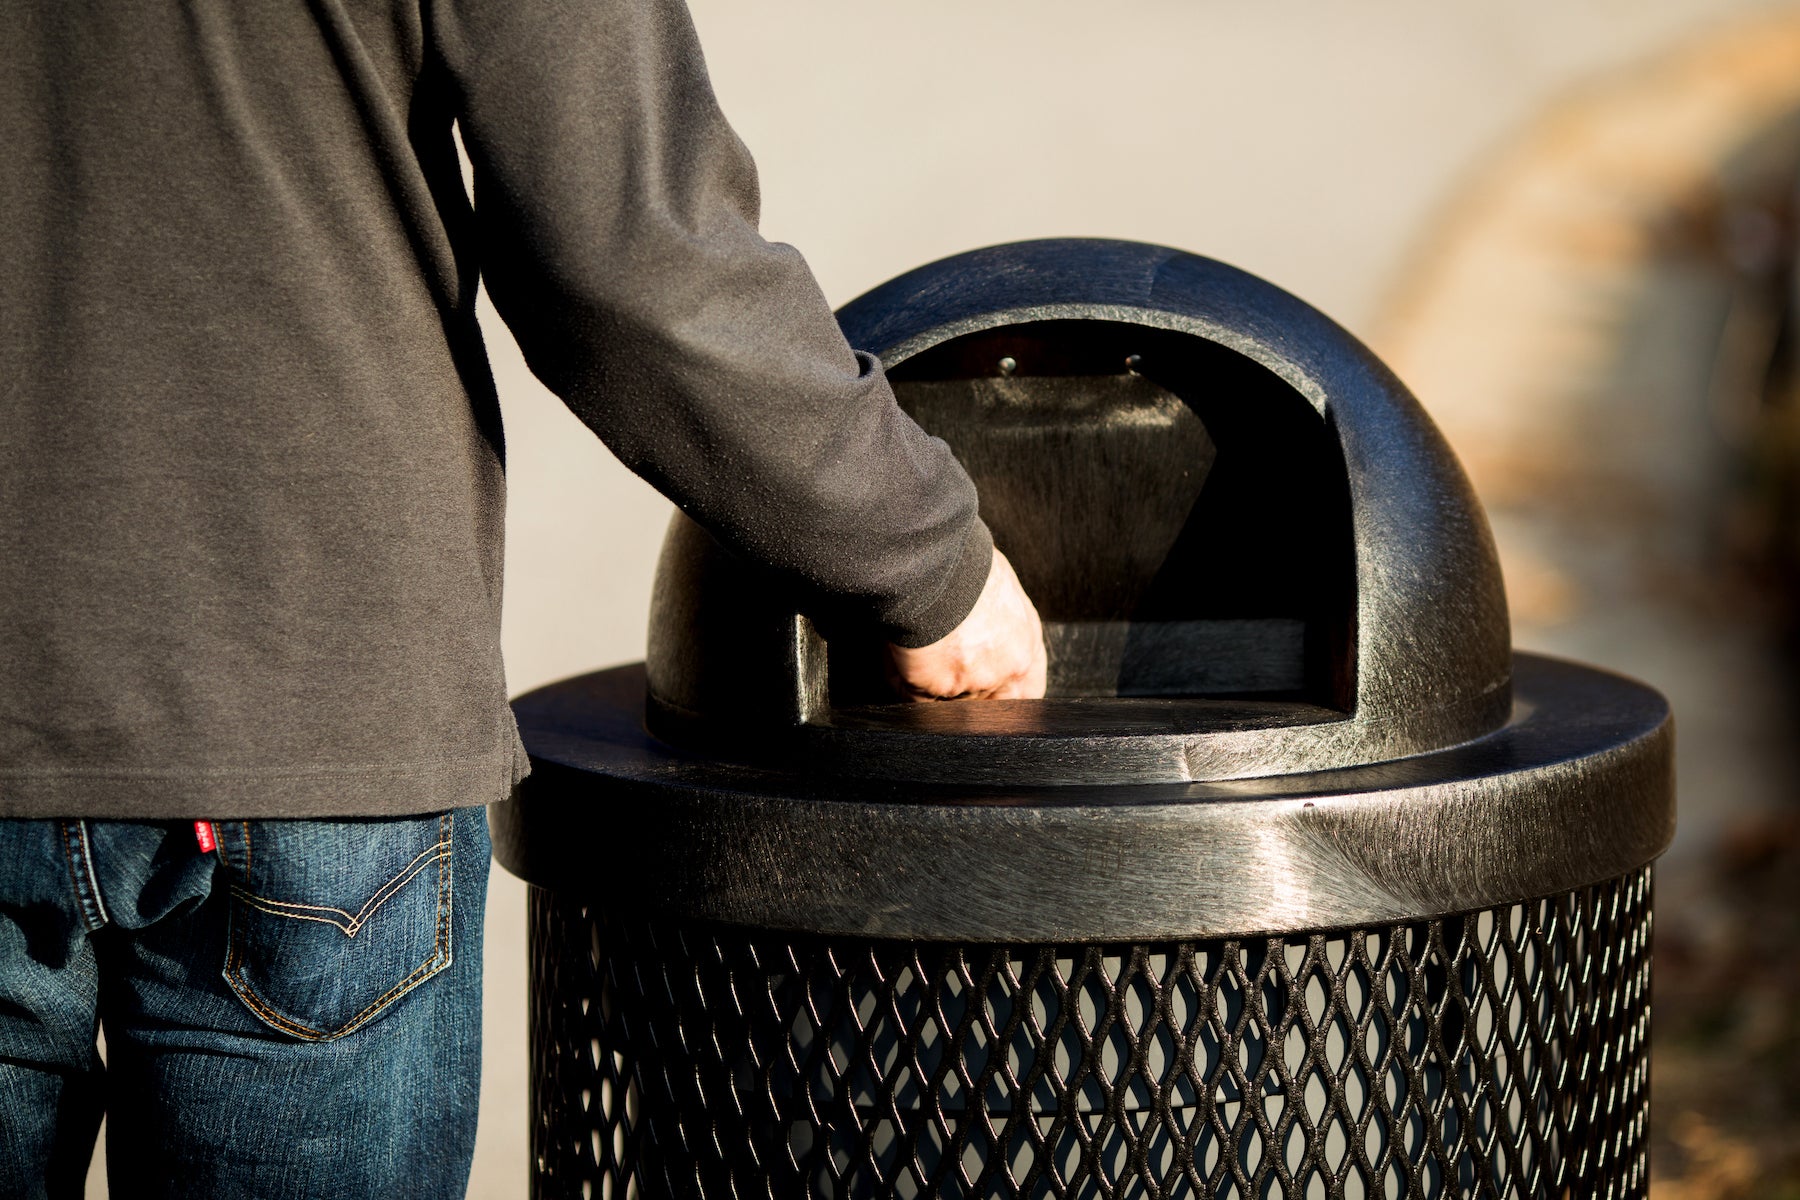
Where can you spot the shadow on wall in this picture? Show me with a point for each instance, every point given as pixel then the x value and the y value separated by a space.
pixel 1603 324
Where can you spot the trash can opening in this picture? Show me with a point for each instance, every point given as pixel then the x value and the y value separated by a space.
pixel 1177 511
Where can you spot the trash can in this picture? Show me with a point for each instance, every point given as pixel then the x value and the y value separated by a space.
pixel 1299 883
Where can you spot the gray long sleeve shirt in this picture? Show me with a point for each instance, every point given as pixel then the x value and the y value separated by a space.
pixel 251 485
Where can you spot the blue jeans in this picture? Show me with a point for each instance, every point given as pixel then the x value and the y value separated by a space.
pixel 295 1014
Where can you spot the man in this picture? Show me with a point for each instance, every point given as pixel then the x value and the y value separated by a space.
pixel 251 699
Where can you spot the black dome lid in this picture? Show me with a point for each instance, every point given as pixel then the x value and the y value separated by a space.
pixel 1299 577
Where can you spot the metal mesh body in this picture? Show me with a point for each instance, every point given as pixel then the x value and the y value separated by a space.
pixel 1500 1053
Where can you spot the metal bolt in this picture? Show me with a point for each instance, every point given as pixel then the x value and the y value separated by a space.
pixel 1133 362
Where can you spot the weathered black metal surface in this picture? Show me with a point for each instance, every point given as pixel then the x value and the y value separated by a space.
pixel 1575 789
pixel 1210 489
pixel 1298 883
pixel 1490 1055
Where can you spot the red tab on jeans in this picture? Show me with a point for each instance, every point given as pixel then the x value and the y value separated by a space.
pixel 204 835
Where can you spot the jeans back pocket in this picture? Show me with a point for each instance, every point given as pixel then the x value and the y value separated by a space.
pixel 333 921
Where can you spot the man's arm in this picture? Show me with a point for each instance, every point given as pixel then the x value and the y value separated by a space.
pixel 617 215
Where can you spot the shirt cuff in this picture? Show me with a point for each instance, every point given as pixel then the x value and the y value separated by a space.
pixel 954 600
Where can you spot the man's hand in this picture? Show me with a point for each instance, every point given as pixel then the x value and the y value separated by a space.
pixel 997 653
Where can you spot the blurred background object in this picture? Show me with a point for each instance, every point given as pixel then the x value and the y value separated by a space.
pixel 1569 226
pixel 1602 323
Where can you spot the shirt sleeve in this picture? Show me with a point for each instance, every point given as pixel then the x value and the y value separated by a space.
pixel 617 220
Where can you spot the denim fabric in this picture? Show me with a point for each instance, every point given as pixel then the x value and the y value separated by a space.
pixel 295 1014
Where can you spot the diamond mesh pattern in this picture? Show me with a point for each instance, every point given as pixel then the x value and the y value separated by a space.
pixel 1501 1053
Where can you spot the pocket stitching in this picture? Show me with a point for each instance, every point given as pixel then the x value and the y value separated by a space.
pixel 440 958
pixel 306 1033
pixel 387 891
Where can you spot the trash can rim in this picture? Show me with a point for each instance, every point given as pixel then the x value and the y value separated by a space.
pixel 1576 788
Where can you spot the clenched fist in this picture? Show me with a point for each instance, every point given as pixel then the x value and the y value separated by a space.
pixel 997 653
